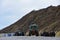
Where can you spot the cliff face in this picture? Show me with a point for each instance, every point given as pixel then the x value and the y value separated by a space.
pixel 47 19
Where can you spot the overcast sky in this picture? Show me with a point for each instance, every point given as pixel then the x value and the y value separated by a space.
pixel 12 10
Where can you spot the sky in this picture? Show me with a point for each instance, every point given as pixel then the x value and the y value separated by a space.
pixel 13 10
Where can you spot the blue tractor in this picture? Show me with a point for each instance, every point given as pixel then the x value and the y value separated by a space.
pixel 33 30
